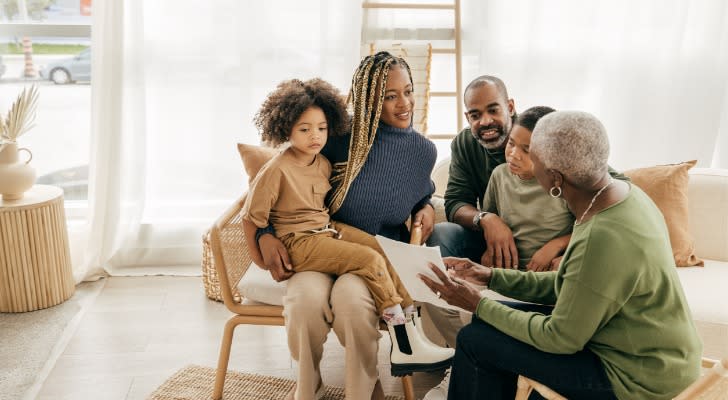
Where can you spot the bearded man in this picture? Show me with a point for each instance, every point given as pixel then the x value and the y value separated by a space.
pixel 475 152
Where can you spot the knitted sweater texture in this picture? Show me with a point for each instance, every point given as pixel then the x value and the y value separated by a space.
pixel 393 184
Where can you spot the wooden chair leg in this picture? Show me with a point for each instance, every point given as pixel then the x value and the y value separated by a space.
pixel 408 388
pixel 224 358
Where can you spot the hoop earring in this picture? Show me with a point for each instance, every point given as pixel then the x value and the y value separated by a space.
pixel 558 192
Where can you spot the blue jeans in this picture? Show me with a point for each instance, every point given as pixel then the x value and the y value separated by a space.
pixel 487 364
pixel 456 241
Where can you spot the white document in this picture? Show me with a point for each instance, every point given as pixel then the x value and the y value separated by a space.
pixel 409 260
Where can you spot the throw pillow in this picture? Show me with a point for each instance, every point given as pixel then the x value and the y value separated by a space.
pixel 667 186
pixel 254 157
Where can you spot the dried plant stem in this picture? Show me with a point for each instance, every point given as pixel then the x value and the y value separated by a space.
pixel 2 133
pixel 21 116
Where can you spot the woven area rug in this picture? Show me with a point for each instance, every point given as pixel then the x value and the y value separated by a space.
pixel 32 342
pixel 194 382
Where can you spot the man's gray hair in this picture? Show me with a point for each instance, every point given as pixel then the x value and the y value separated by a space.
pixel 574 143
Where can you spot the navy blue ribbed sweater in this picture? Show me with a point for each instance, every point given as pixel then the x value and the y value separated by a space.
pixel 394 182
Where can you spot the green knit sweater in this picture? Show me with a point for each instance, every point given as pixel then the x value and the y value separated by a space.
pixel 616 293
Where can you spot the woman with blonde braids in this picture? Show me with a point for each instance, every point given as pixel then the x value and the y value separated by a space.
pixel 381 178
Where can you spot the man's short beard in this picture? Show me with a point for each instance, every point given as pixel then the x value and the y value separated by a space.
pixel 493 145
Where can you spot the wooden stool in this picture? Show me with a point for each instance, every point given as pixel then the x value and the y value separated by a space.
pixel 35 265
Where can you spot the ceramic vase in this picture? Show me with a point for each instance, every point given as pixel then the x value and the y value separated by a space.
pixel 16 176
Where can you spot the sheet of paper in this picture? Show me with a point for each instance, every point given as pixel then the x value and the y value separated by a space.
pixel 409 260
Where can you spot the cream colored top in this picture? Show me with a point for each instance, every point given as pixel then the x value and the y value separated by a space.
pixel 288 195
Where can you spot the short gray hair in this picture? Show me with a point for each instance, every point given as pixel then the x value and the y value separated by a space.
pixel 574 143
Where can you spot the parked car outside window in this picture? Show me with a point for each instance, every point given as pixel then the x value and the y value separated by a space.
pixel 75 69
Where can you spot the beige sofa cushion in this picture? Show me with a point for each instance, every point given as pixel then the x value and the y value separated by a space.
pixel 254 157
pixel 708 210
pixel 707 297
pixel 667 186
pixel 259 286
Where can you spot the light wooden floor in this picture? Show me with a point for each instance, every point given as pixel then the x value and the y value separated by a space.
pixel 140 330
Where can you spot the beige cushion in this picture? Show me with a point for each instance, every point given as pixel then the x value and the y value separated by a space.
pixel 708 193
pixel 258 285
pixel 254 157
pixel 440 175
pixel 706 295
pixel 667 186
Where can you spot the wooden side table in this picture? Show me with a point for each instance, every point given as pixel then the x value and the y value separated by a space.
pixel 35 264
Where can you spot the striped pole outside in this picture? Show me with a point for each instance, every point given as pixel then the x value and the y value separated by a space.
pixel 29 71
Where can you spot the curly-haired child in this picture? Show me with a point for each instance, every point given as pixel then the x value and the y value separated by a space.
pixel 289 194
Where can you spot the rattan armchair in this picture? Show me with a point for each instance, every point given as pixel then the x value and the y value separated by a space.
pixel 713 385
pixel 231 261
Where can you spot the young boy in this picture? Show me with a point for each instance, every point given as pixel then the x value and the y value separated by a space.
pixel 541 223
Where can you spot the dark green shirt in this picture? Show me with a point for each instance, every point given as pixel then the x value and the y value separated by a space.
pixel 470 168
pixel 616 293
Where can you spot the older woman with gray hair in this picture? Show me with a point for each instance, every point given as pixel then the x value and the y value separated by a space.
pixel 619 326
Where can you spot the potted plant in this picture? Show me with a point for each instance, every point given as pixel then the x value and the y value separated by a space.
pixel 16 176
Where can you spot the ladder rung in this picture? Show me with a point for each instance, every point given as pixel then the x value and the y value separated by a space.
pixel 409 6
pixel 443 51
pixel 443 94
pixel 435 136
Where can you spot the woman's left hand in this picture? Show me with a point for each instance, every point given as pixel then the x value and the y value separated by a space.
pixel 426 218
pixel 453 290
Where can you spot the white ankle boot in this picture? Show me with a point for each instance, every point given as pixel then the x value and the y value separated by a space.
pixel 411 353
pixel 417 319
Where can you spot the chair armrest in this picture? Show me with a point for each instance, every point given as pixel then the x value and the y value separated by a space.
pixel 230 250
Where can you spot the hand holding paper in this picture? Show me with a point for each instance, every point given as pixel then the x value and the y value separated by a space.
pixel 409 261
pixel 454 291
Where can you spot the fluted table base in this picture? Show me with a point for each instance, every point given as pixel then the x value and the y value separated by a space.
pixel 35 265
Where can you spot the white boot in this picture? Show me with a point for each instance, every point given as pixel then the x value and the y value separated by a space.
pixel 410 353
pixel 417 319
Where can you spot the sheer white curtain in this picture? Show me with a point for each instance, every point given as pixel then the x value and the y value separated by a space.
pixel 654 71
pixel 176 85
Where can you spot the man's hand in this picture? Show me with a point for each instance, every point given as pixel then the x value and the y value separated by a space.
pixel 501 249
pixel 275 257
pixel 543 257
pixel 467 270
pixel 426 219
pixel 453 290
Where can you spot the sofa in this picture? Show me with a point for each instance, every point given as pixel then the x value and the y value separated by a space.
pixel 707 213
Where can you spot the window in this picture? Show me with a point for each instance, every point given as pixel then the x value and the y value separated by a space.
pixel 47 44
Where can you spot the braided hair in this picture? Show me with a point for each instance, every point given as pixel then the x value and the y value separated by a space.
pixel 366 96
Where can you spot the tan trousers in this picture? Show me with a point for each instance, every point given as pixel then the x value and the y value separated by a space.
pixel 314 303
pixel 357 252
pixel 447 322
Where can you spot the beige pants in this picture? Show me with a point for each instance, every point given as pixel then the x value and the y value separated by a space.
pixel 357 252
pixel 447 322
pixel 314 303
